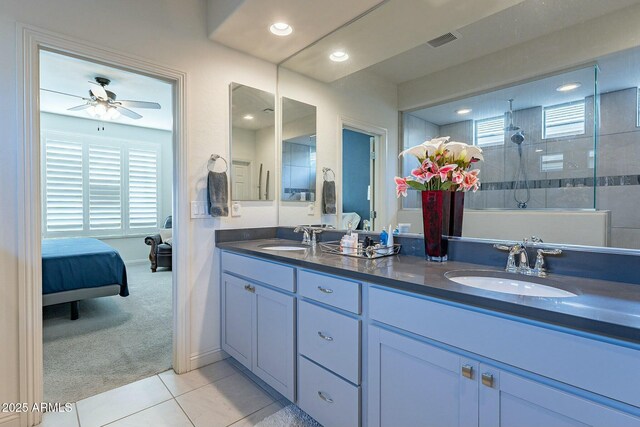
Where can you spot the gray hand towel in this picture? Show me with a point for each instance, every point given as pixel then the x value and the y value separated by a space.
pixel 218 194
pixel 329 197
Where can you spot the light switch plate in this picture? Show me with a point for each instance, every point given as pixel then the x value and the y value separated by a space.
pixel 236 209
pixel 311 209
pixel 199 209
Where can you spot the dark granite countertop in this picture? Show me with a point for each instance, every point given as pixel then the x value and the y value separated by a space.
pixel 601 307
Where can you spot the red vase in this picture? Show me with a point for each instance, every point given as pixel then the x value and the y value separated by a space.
pixel 441 217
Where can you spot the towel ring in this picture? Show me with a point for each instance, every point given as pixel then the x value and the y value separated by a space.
pixel 212 162
pixel 325 173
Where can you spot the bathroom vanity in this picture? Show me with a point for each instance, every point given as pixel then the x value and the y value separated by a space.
pixel 393 342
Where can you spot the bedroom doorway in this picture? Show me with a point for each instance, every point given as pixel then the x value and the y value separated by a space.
pixel 107 190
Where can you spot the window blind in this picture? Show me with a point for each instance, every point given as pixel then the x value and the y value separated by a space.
pixel 143 188
pixel 64 186
pixel 564 119
pixel 489 131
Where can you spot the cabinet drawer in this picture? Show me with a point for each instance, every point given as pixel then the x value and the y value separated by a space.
pixel 277 275
pixel 332 401
pixel 330 290
pixel 330 339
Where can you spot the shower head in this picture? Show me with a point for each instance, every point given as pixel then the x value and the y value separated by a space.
pixel 518 137
pixel 511 127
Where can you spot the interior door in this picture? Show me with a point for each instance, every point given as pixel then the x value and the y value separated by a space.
pixel 372 182
pixel 241 180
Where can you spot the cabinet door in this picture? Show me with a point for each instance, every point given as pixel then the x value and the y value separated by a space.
pixel 273 353
pixel 412 383
pixel 237 309
pixel 508 400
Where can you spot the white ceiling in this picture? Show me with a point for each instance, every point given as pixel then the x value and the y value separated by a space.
pixel 616 72
pixel 394 27
pixel 247 100
pixel 247 28
pixel 514 25
pixel 71 75
pixel 293 110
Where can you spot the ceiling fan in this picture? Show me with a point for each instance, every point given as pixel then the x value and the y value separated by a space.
pixel 102 103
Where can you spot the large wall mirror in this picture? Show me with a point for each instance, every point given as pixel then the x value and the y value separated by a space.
pixel 298 151
pixel 548 90
pixel 253 127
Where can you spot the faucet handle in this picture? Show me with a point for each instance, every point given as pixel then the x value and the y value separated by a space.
pixel 539 269
pixel 502 247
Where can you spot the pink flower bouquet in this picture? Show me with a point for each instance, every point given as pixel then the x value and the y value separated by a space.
pixel 444 166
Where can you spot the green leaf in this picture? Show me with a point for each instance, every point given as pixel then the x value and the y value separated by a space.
pixel 416 185
pixel 446 185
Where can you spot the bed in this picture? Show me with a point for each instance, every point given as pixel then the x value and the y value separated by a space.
pixel 76 269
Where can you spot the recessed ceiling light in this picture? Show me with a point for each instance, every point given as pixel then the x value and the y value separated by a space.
pixel 463 111
pixel 339 56
pixel 569 86
pixel 281 29
pixel 248 117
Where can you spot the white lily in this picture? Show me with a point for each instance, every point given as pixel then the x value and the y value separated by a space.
pixel 471 152
pixel 455 148
pixel 419 151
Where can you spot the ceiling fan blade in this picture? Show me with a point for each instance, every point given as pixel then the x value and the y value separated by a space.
pixel 140 104
pixel 79 107
pixel 99 92
pixel 128 113
pixel 62 93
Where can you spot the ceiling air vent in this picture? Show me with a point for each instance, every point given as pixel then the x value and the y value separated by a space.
pixel 444 39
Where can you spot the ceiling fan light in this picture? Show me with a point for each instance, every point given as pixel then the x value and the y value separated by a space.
pixel 91 111
pixel 100 110
pixel 112 113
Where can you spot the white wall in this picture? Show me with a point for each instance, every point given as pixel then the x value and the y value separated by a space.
pixel 363 97
pixel 172 33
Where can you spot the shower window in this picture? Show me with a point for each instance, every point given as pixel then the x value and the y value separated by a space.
pixel 489 131
pixel 564 119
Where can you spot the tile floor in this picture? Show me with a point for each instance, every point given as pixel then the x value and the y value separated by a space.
pixel 218 395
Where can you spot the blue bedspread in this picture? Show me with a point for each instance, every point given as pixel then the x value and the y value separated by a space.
pixel 76 263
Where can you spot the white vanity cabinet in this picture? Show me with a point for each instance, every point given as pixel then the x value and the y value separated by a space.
pixel 258 324
pixel 352 354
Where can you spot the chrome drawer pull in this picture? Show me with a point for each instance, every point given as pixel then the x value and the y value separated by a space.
pixel 324 397
pixel 325 337
pixel 249 288
pixel 325 290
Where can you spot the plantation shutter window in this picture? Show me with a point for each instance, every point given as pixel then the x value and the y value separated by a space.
pixel 143 189
pixel 489 131
pixel 99 187
pixel 63 186
pixel 564 120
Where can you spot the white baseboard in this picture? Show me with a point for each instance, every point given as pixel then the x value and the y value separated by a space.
pixel 12 420
pixel 206 358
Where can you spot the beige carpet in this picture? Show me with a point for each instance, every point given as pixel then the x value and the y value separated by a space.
pixel 289 416
pixel 115 341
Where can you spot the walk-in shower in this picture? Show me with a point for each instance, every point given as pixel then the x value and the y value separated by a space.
pixel 521 188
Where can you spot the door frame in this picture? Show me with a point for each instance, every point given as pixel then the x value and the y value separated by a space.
pixel 30 41
pixel 381 137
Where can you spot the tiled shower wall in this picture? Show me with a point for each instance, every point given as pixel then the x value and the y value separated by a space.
pixel 617 161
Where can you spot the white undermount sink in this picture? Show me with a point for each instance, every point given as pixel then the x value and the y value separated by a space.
pixel 497 282
pixel 283 248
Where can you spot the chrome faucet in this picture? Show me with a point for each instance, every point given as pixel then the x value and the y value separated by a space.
pixel 309 234
pixel 306 239
pixel 522 266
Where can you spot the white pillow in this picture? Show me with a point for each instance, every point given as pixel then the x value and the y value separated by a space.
pixel 165 234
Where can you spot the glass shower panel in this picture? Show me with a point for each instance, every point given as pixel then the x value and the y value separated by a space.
pixel 537 137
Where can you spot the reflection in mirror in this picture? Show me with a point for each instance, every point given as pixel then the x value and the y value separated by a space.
pixel 568 174
pixel 298 151
pixel 252 143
